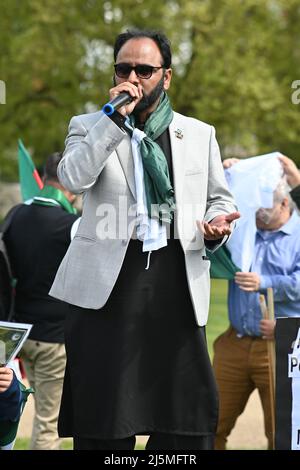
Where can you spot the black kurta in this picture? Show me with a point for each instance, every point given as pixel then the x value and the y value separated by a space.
pixel 140 364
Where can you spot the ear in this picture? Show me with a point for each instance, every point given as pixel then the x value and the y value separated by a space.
pixel 70 196
pixel 167 78
pixel 285 202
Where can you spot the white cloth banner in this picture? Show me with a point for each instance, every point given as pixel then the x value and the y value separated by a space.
pixel 294 373
pixel 252 182
pixel 150 231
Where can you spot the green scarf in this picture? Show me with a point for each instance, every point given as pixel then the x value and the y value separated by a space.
pixel 158 188
pixel 50 195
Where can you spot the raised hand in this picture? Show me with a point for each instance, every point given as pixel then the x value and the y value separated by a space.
pixel 291 171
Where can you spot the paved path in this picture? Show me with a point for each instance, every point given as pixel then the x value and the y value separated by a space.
pixel 247 434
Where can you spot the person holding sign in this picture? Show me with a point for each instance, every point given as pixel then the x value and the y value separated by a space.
pixel 37 239
pixel 241 353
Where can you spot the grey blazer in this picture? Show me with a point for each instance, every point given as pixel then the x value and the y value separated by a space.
pixel 98 162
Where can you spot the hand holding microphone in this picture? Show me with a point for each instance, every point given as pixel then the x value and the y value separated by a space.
pixel 124 98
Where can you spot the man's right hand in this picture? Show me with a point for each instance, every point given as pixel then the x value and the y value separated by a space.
pixel 136 91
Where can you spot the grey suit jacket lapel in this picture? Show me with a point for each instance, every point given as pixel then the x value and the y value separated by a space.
pixel 126 159
pixel 177 140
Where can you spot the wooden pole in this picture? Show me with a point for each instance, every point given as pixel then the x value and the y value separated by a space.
pixel 271 344
pixel 268 314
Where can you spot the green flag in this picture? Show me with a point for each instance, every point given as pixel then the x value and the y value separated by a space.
pixel 30 180
pixel 222 266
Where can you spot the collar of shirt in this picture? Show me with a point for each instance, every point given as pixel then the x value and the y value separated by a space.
pixel 288 228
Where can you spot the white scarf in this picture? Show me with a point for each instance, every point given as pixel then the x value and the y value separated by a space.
pixel 149 231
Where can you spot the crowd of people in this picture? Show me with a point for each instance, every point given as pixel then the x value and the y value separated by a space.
pixel 36 241
pixel 241 358
pixel 119 308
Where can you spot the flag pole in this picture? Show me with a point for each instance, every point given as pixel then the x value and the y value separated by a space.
pixel 30 181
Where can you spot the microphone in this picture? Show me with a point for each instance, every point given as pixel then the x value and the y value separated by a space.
pixel 116 103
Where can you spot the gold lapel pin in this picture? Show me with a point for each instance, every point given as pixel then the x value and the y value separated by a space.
pixel 179 134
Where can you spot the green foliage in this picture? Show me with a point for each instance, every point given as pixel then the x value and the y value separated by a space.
pixel 242 63
pixel 234 63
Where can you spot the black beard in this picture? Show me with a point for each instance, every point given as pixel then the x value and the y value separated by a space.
pixel 149 100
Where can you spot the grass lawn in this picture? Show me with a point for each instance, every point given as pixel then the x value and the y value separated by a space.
pixel 218 318
pixel 23 444
pixel 217 323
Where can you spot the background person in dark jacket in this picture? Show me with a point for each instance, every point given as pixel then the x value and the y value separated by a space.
pixel 36 241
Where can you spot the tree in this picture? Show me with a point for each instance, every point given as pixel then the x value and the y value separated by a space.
pixel 234 64
pixel 240 71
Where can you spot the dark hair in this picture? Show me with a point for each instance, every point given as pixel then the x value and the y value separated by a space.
pixel 50 168
pixel 159 38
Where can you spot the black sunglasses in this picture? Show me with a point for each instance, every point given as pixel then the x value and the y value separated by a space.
pixel 123 70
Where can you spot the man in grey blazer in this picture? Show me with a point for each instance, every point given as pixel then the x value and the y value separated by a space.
pixel 136 274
